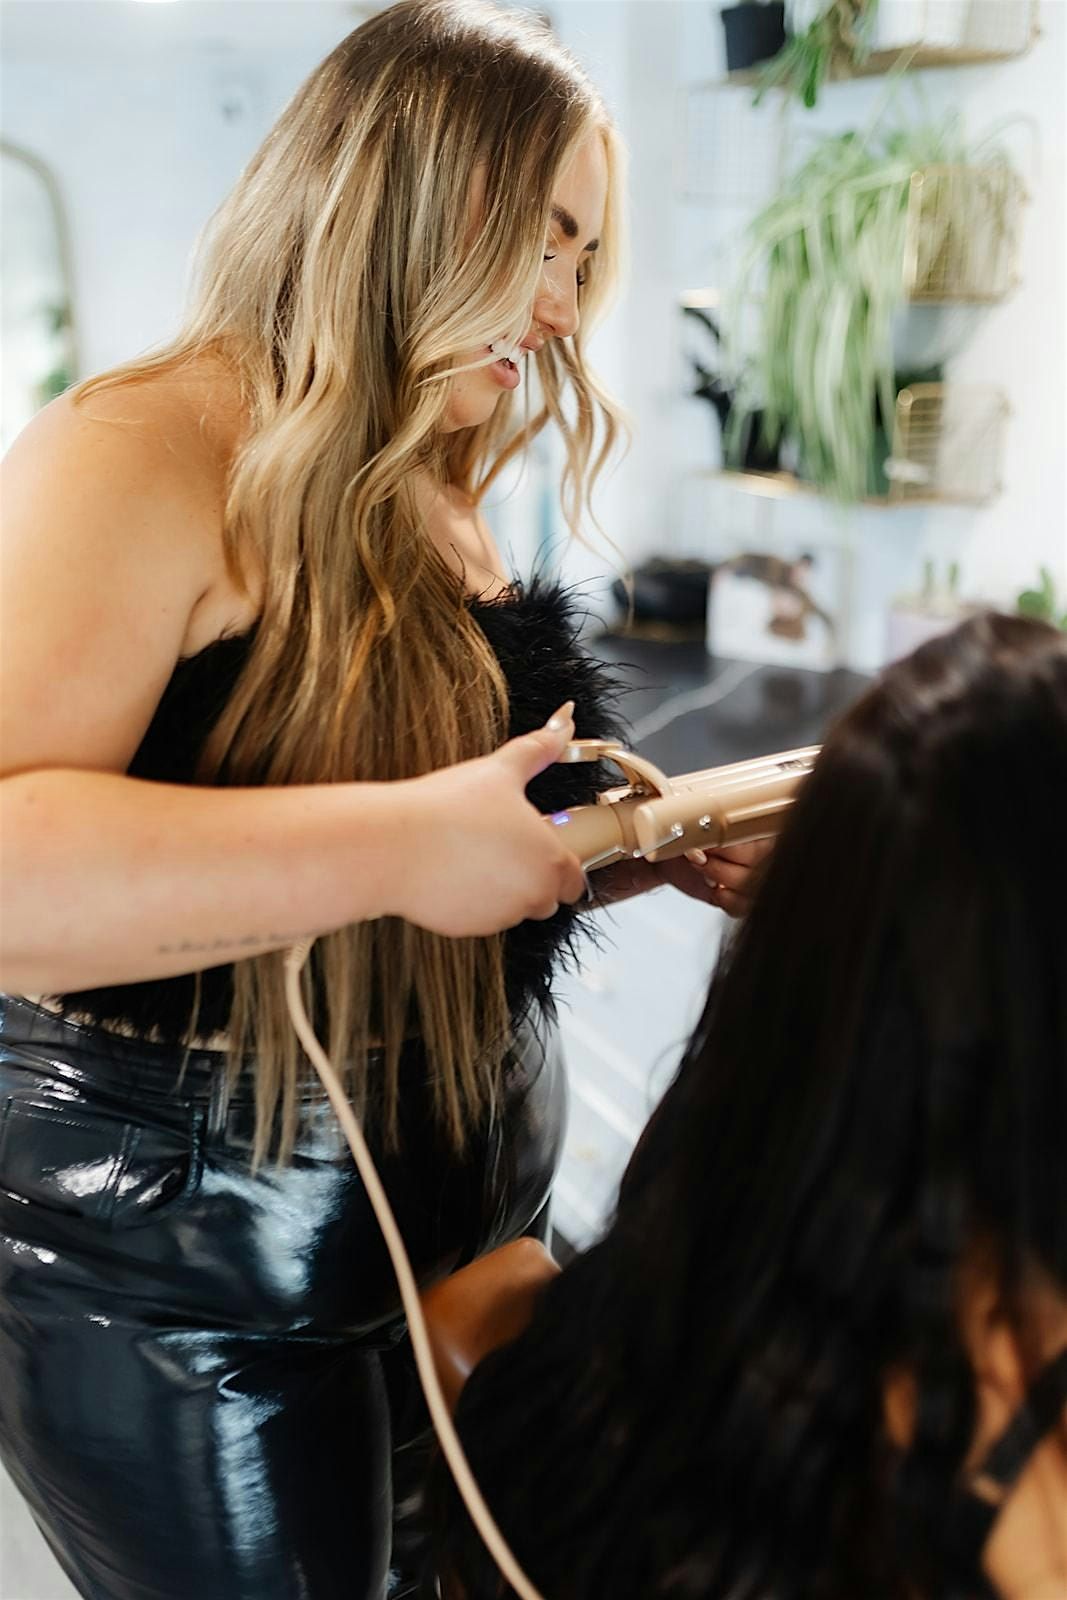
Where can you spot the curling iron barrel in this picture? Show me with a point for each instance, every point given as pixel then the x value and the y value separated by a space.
pixel 657 817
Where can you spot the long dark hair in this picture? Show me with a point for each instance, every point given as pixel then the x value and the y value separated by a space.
pixel 878 1085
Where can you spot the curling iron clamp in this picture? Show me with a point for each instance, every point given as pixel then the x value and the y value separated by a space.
pixel 651 816
pixel 655 817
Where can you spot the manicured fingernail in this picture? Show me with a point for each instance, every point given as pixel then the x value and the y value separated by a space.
pixel 559 719
pixel 697 857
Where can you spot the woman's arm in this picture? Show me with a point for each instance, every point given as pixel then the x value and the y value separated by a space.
pixel 483 1306
pixel 110 879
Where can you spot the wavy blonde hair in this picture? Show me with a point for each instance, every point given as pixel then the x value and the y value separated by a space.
pixel 342 279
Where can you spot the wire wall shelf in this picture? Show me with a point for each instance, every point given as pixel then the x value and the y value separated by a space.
pixel 947 449
pixel 729 150
pixel 961 240
pixel 935 34
pixel 948 444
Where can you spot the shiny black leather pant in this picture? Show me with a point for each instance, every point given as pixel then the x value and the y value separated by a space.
pixel 195 1390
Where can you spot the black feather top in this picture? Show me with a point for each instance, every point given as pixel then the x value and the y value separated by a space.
pixel 533 630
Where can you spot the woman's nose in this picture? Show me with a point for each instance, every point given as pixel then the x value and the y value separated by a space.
pixel 556 308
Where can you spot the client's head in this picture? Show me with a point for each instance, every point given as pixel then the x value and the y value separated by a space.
pixel 839 1261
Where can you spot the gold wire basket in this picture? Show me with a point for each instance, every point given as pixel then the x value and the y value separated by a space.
pixel 961 242
pixel 955 32
pixel 948 444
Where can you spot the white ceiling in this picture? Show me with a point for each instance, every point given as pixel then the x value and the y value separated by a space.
pixel 50 28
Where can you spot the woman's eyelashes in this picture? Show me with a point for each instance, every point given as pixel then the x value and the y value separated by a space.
pixel 579 276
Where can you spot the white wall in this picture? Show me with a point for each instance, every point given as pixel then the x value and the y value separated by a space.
pixel 146 129
pixel 631 51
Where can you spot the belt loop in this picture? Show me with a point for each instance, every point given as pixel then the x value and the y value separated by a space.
pixel 217 1101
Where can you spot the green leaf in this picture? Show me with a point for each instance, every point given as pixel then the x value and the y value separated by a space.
pixel 1034 603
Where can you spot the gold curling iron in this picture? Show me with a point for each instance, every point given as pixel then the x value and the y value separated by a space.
pixel 656 817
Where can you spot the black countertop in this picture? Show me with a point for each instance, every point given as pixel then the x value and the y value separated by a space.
pixel 751 710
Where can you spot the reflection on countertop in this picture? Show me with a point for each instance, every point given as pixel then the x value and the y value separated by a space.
pixel 754 709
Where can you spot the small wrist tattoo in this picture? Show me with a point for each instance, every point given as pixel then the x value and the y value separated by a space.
pixel 253 941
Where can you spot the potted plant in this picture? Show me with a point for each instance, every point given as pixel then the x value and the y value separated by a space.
pixel 825 38
pixel 747 448
pixel 914 618
pixel 823 276
pixel 915 24
pixel 754 30
pixel 1042 602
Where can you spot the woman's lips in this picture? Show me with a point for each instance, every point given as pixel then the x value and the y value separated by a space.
pixel 505 372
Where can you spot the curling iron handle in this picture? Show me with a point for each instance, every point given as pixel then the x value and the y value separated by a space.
pixel 598 834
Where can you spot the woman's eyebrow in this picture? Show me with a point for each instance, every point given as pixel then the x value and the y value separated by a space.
pixel 567 225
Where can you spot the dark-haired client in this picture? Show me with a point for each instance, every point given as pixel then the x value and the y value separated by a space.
pixel 821 1350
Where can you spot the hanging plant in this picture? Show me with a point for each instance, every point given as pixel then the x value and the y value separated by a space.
pixel 833 42
pixel 828 255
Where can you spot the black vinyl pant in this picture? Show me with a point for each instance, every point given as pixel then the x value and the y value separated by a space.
pixel 194 1357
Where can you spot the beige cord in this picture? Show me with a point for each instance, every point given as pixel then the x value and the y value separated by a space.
pixel 482 1517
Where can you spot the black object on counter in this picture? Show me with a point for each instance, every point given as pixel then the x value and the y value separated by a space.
pixel 667 591
pixel 754 32
pixel 750 450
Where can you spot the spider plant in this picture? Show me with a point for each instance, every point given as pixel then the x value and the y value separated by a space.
pixel 1042 603
pixel 823 274
pixel 833 40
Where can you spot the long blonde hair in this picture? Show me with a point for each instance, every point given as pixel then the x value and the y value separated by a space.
pixel 341 279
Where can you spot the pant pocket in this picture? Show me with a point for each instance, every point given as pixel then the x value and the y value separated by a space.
pixel 94 1165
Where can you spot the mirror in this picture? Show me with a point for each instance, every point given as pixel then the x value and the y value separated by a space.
pixel 39 341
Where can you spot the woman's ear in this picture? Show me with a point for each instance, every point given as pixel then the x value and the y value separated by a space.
pixel 898 1406
pixel 1026 1552
pixel 993 1344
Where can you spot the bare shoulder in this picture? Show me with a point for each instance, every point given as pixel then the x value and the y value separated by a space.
pixel 111 452
pixel 112 549
pixel 134 470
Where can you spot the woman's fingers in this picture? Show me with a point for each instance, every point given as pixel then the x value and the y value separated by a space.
pixel 724 878
pixel 728 900
pixel 573 884
pixel 730 876
pixel 726 872
pixel 745 855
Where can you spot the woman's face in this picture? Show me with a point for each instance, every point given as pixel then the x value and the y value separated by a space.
pixel 577 221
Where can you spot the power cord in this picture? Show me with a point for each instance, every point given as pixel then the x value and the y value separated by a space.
pixel 295 960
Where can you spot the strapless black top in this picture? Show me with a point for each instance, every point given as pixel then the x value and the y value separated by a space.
pixel 533 630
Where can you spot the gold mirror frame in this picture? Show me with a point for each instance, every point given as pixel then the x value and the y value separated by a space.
pixel 40 389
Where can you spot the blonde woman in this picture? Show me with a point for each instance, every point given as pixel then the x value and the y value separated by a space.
pixel 262 665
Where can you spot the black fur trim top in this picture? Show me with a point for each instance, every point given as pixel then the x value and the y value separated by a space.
pixel 533 630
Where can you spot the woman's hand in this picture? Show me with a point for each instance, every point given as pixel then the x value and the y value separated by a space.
pixel 472 855
pixel 725 878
